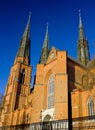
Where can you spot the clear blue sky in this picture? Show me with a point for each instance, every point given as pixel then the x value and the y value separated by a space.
pixel 62 16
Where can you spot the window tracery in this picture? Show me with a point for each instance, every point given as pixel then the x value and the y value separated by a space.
pixel 90 107
pixel 22 77
pixel 51 92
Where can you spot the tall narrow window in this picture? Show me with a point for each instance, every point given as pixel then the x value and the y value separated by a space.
pixel 51 92
pixel 90 107
pixel 22 77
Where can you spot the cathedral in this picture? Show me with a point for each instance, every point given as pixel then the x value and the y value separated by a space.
pixel 63 92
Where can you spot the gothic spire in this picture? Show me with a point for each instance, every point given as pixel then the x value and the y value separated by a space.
pixel 81 29
pixel 46 40
pixel 27 29
pixel 45 48
pixel 23 54
pixel 83 48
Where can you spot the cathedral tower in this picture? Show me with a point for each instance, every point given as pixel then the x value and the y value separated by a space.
pixel 45 48
pixel 18 87
pixel 83 48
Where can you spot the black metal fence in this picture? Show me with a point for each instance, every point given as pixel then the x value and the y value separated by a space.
pixel 81 123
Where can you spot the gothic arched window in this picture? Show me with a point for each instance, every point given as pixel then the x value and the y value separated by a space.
pixel 90 107
pixel 22 77
pixel 51 92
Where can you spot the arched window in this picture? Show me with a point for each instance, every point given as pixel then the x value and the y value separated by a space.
pixel 90 107
pixel 22 77
pixel 51 92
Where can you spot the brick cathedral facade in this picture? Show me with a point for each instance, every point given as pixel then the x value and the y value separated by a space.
pixel 64 88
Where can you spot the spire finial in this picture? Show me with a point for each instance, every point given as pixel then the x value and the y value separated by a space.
pixel 29 15
pixel 79 12
pixel 80 20
pixel 47 27
pixel 29 18
pixel 27 29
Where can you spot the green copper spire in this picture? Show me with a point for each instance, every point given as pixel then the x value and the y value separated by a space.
pixel 83 48
pixel 81 29
pixel 45 48
pixel 23 53
pixel 27 29
pixel 46 40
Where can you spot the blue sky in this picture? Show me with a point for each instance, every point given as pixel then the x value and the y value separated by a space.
pixel 63 20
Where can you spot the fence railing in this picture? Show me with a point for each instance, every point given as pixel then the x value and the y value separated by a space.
pixel 83 123
pixel 80 123
pixel 52 125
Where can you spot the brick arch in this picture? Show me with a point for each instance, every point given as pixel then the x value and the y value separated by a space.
pixel 84 81
pixel 88 97
pixel 47 76
pixel 86 103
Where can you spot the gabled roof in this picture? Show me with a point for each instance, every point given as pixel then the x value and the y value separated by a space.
pixel 77 62
pixel 91 64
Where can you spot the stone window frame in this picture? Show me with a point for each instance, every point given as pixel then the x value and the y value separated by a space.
pixel 51 92
pixel 90 107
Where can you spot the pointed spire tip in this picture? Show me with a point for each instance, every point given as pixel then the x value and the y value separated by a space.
pixel 30 14
pixel 47 28
pixel 79 10
pixel 79 13
pixel 47 24
pixel 80 19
